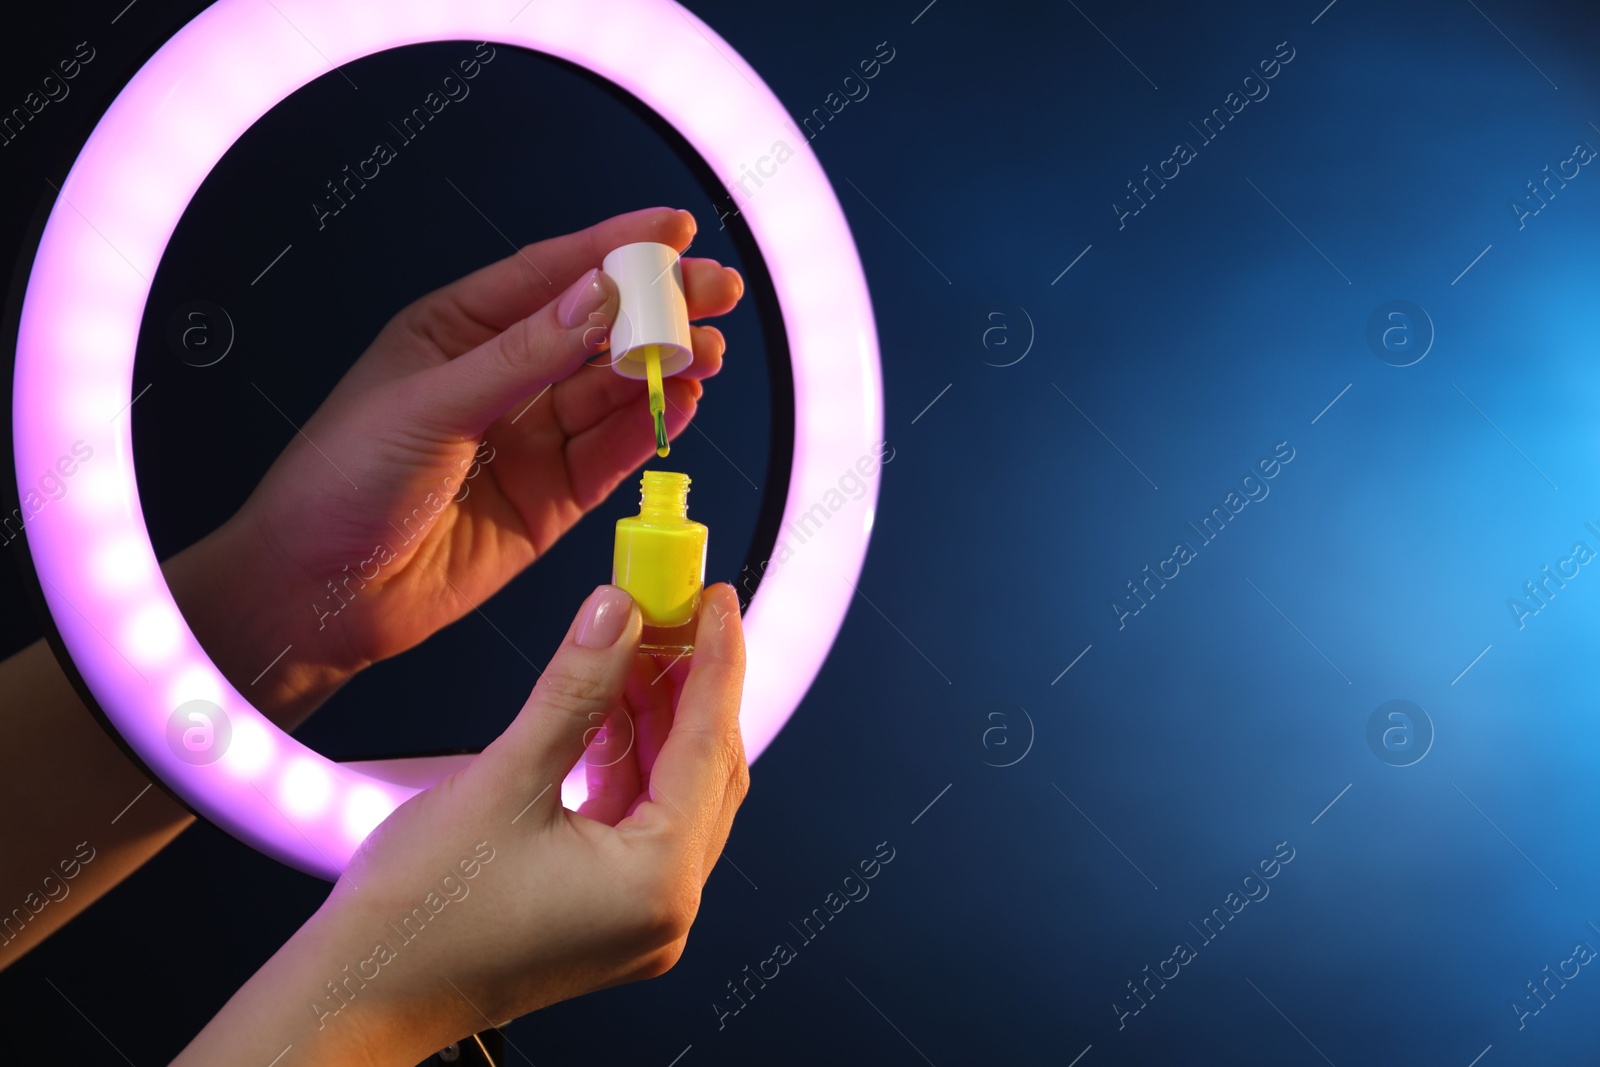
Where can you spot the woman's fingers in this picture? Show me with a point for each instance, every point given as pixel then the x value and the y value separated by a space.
pixel 652 691
pixel 462 315
pixel 594 392
pixel 618 761
pixel 709 288
pixel 604 454
pixel 611 765
pixel 585 398
pixel 576 694
pixel 549 347
pixel 462 397
pixel 467 312
pixel 701 776
pixel 710 345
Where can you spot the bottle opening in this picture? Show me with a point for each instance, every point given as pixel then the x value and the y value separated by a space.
pixel 664 493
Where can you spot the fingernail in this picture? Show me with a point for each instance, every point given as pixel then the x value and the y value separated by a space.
pixel 738 279
pixel 605 614
pixel 694 227
pixel 586 295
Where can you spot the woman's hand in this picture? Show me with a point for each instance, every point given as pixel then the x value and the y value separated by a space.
pixel 456 450
pixel 482 898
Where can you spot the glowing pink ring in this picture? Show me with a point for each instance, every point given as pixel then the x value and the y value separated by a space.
pixel 86 295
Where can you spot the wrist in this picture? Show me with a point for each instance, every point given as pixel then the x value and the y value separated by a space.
pixel 310 996
pixel 239 600
pixel 383 998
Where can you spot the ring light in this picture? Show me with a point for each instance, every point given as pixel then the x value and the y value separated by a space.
pixel 80 317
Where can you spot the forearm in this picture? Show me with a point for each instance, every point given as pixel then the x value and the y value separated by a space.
pixel 75 793
pixel 88 817
pixel 83 817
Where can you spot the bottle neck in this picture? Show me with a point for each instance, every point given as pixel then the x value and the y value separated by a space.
pixel 664 495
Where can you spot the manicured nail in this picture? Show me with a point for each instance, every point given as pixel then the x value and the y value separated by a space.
pixel 587 295
pixel 605 615
pixel 694 227
pixel 738 279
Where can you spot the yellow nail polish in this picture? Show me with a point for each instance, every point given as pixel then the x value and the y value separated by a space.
pixel 658 398
pixel 660 559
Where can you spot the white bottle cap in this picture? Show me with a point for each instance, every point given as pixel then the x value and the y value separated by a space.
pixel 653 310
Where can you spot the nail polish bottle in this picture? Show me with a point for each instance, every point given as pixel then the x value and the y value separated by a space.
pixel 660 559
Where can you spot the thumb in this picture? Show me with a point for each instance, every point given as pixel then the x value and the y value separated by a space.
pixel 583 683
pixel 471 391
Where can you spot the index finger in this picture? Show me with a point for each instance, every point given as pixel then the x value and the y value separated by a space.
pixel 491 298
pixel 700 775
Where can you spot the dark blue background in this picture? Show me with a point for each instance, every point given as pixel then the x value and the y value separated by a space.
pixel 1179 750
